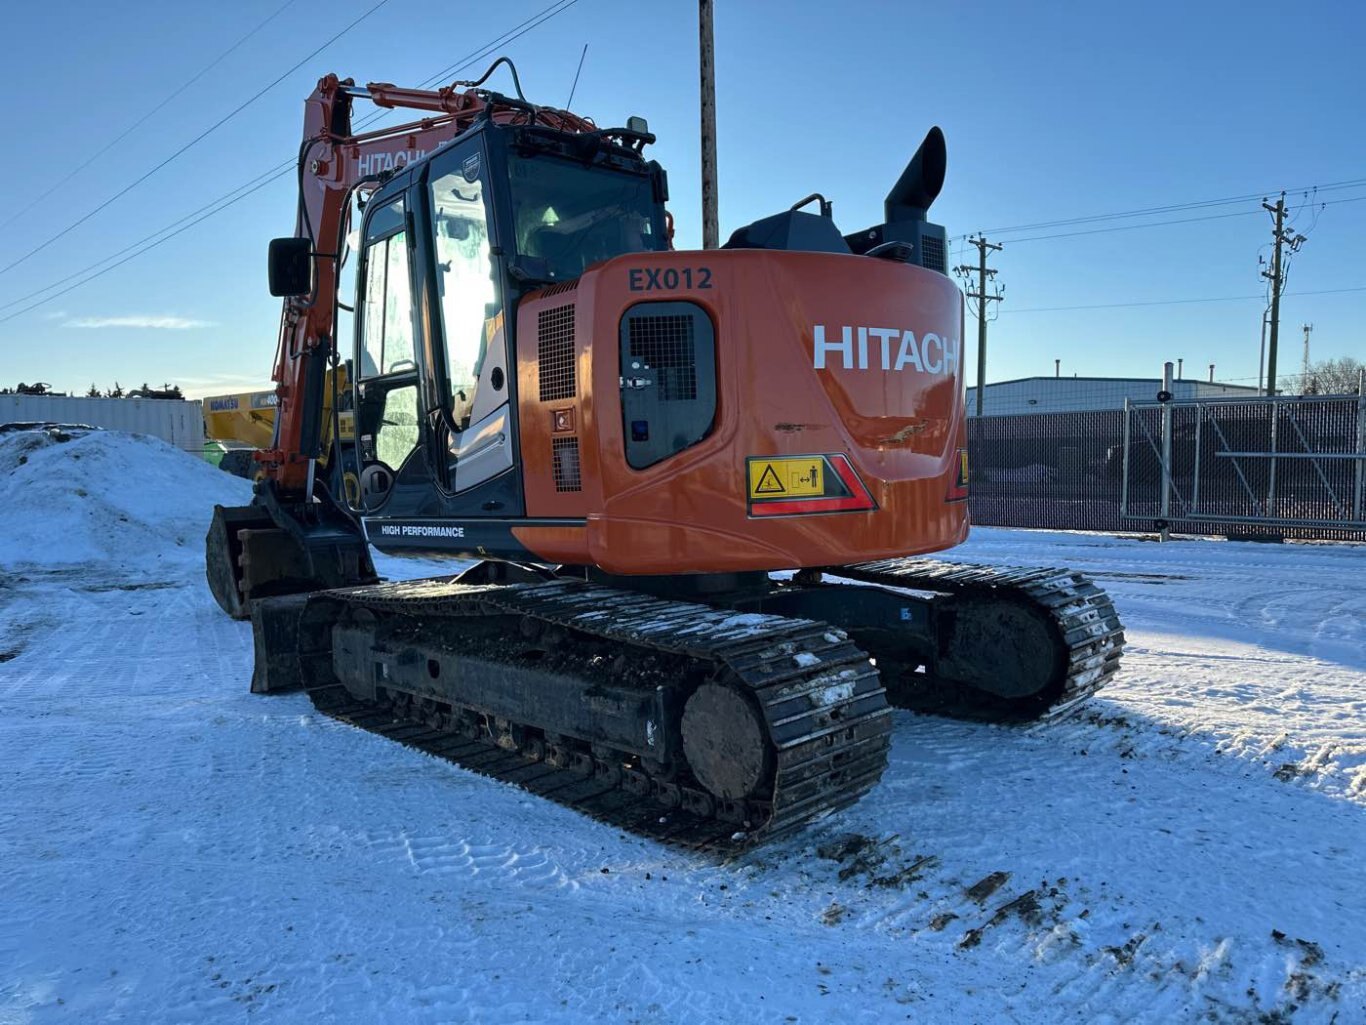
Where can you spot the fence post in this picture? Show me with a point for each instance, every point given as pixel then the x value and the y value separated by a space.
pixel 1361 445
pixel 1195 483
pixel 1271 482
pixel 1165 397
pixel 1124 483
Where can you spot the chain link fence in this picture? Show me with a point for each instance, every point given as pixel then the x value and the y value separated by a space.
pixel 1286 467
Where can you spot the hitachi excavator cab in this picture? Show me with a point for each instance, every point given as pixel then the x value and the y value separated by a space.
pixel 448 249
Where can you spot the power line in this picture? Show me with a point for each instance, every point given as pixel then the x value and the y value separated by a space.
pixel 464 62
pixel 132 256
pixel 1175 302
pixel 1160 224
pixel 270 176
pixel 1173 207
pixel 1134 227
pixel 212 128
pixel 147 116
pixel 253 185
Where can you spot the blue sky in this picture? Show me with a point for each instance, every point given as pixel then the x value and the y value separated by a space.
pixel 1052 111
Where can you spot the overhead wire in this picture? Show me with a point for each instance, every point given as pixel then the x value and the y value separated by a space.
pixel 147 116
pixel 1176 302
pixel 1160 224
pixel 233 196
pixel 269 176
pixel 131 256
pixel 1168 208
pixel 202 135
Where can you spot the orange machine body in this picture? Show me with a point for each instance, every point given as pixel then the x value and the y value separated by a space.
pixel 816 355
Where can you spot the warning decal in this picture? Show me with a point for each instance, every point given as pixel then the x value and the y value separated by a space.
pixel 802 477
pixel 801 485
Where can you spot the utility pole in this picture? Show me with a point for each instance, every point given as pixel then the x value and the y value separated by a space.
pixel 1304 365
pixel 1281 237
pixel 711 230
pixel 983 274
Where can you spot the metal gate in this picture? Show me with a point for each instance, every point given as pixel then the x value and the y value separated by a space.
pixel 1284 461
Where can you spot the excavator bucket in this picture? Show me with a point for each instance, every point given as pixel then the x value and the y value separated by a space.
pixel 249 555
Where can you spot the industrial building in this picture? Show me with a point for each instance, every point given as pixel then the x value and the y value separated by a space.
pixel 1068 394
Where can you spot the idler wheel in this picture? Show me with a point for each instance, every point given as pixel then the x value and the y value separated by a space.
pixel 726 742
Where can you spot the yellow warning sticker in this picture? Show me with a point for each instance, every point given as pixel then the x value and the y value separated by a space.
pixel 800 477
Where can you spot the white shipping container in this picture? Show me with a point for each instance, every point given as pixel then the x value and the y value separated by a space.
pixel 180 422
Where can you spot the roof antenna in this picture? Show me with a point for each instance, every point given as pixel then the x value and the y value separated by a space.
pixel 576 77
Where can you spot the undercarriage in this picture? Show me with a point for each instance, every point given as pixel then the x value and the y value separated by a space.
pixel 744 712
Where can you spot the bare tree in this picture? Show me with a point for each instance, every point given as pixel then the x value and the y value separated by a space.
pixel 1327 377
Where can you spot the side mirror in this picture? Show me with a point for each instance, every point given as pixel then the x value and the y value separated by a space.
pixel 291 266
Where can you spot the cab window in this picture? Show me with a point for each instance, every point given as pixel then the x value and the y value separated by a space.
pixel 471 311
pixel 386 391
pixel 388 316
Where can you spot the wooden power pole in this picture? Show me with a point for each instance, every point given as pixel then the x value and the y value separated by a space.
pixel 711 231
pixel 983 273
pixel 1282 237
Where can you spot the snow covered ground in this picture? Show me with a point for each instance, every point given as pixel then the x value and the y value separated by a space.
pixel 174 849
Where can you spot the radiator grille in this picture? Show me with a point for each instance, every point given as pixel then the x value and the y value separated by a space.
pixel 664 345
pixel 932 253
pixel 555 353
pixel 565 454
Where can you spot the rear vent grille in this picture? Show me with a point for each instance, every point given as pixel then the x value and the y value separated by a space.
pixel 555 353
pixel 932 253
pixel 565 454
pixel 663 344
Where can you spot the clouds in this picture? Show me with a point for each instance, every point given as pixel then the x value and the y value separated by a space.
pixel 223 384
pixel 164 322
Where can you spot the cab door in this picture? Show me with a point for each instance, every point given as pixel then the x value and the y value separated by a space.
pixel 386 397
pixel 472 421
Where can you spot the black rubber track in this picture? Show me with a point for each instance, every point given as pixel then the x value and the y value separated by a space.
pixel 1087 636
pixel 821 699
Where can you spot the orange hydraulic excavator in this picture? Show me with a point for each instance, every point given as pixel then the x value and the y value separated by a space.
pixel 693 483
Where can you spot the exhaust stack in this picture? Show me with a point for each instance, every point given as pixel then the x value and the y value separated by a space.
pixel 907 209
pixel 918 187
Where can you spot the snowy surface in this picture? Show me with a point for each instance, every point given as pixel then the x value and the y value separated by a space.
pixel 174 849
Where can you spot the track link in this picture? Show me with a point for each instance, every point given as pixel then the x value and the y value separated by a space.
pixel 821 701
pixel 1088 638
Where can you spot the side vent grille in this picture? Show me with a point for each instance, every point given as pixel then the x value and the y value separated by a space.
pixel 555 354
pixel 932 253
pixel 565 453
pixel 664 345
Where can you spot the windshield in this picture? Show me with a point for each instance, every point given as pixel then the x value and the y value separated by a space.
pixel 571 215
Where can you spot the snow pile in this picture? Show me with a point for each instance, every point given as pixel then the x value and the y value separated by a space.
pixel 105 499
